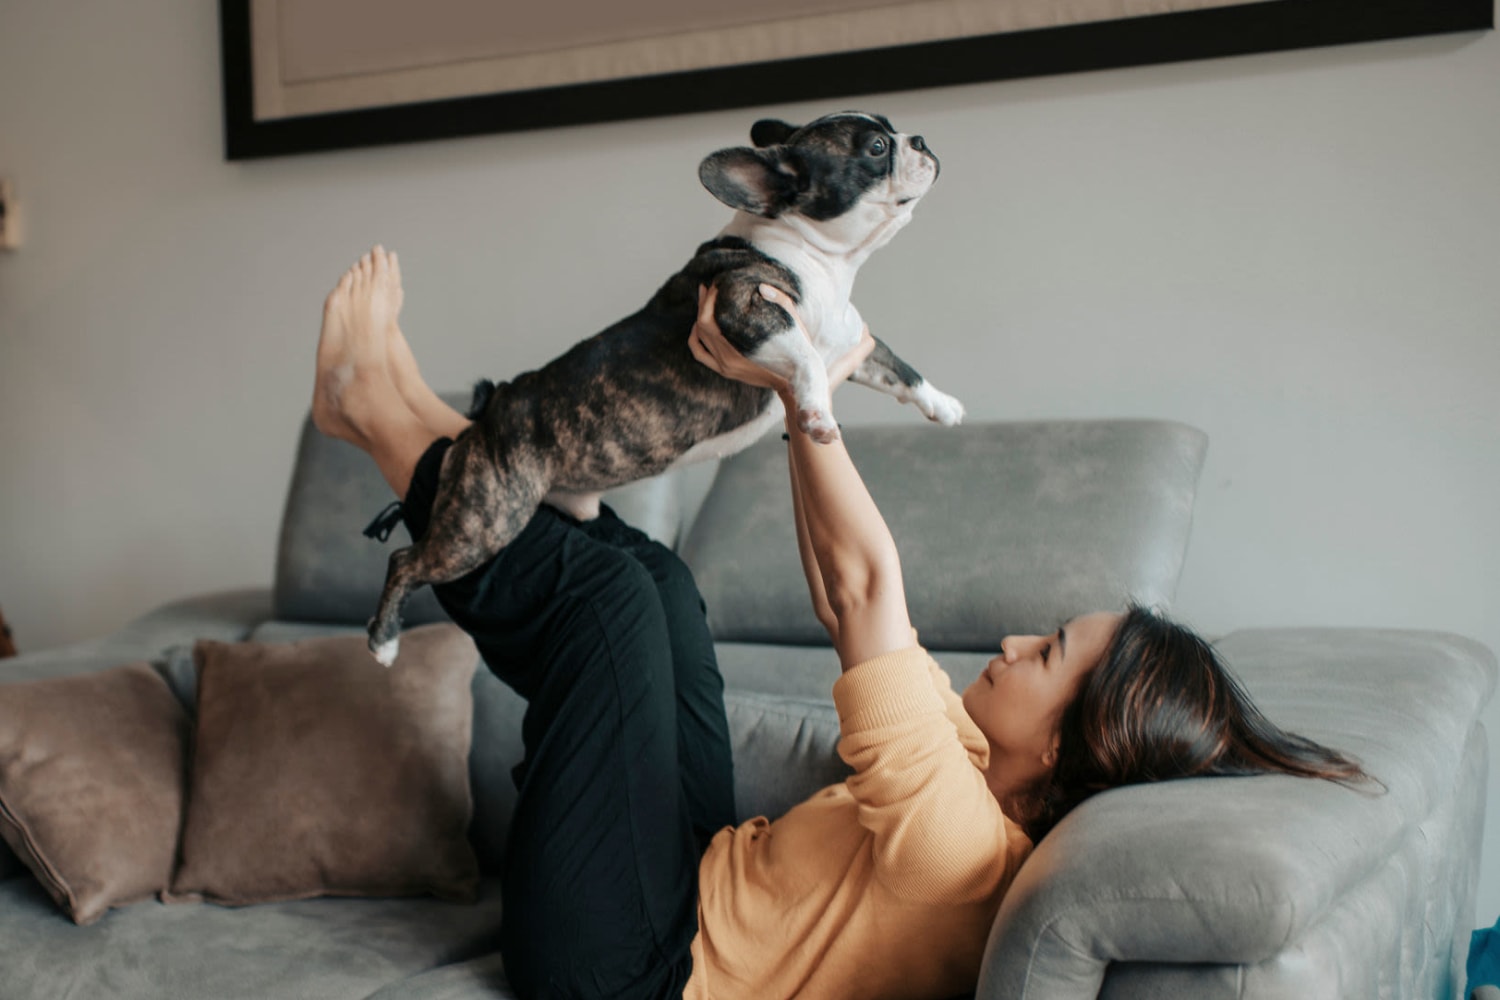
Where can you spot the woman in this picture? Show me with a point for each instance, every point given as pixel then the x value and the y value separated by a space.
pixel 625 875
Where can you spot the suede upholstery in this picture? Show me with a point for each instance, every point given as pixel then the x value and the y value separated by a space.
pixel 1259 888
pixel 1108 506
pixel 1289 882
pixel 91 782
pixel 315 775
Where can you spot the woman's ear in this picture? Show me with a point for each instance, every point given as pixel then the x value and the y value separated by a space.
pixel 1050 757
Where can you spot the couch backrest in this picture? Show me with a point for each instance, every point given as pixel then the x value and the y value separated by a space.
pixel 1002 527
pixel 328 571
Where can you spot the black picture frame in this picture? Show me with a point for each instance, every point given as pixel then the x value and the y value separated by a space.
pixel 1240 29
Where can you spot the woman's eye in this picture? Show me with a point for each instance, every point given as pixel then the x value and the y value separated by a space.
pixel 1046 652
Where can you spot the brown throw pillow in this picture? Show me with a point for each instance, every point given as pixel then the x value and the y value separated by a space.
pixel 316 771
pixel 91 781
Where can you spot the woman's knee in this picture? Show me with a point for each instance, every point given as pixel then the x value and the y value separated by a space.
pixel 674 581
pixel 618 585
pixel 617 616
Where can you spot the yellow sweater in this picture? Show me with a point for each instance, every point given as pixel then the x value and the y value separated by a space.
pixel 882 886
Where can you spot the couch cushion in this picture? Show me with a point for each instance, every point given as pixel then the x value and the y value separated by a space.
pixel 1006 527
pixel 481 978
pixel 784 746
pixel 494 749
pixel 809 671
pixel 331 949
pixel 328 571
pixel 317 771
pixel 91 784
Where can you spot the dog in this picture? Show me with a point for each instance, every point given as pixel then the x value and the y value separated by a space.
pixel 811 204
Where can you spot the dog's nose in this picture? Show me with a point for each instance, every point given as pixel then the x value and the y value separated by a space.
pixel 918 143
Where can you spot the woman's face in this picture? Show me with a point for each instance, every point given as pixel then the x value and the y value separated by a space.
pixel 1018 700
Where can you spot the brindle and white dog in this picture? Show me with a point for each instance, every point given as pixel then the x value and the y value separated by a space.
pixel 812 203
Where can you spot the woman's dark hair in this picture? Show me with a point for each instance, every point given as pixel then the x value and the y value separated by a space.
pixel 1161 705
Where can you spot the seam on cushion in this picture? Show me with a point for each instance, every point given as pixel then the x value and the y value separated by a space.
pixel 49 873
pixel 1047 928
pixel 801 718
pixel 1036 948
pixel 804 723
pixel 778 702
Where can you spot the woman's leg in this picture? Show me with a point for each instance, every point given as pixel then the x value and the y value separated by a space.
pixel 703 731
pixel 355 398
pixel 600 880
pixel 601 868
pixel 703 746
pixel 443 419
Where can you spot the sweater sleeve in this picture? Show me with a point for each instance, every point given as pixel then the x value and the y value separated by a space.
pixel 939 834
pixel 953 706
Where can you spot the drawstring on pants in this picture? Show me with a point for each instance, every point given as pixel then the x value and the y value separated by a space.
pixel 385 522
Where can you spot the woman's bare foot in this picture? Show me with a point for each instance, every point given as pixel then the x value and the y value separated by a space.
pixel 351 377
pixel 354 398
pixel 402 364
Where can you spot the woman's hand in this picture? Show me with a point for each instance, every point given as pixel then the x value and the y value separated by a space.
pixel 709 346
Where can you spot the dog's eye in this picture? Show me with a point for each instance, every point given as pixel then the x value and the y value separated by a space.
pixel 877 146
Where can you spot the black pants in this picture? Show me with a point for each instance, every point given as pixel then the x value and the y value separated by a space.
pixel 627 771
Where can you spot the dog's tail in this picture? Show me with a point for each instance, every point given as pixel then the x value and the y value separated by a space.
pixel 483 390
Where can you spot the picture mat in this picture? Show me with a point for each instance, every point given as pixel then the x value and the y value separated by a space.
pixel 319 56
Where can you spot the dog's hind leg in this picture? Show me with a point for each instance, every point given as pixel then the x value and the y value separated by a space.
pixel 401 578
pixel 482 502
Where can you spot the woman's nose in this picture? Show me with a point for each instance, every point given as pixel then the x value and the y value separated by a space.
pixel 1019 645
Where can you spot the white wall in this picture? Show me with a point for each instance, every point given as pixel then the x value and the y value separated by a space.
pixel 1298 253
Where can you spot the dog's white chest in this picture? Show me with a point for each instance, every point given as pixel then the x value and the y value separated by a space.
pixel 836 329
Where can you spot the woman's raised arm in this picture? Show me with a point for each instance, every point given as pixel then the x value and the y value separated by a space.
pixel 839 527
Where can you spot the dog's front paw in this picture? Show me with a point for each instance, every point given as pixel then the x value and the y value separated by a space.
pixel 938 406
pixel 818 425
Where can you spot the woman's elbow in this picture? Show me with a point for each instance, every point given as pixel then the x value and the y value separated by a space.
pixel 827 619
pixel 853 593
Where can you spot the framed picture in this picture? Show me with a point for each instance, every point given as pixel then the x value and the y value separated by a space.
pixel 305 75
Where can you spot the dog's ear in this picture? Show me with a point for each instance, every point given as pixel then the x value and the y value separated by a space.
pixel 761 181
pixel 770 132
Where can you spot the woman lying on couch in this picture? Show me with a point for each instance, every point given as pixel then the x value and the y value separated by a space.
pixel 626 874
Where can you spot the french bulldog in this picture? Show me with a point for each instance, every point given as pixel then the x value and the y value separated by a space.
pixel 812 203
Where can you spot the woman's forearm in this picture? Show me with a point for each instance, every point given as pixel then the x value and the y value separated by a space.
pixel 847 553
pixel 852 547
pixel 810 567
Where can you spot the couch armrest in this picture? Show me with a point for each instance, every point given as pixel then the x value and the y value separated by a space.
pixel 225 615
pixel 1232 871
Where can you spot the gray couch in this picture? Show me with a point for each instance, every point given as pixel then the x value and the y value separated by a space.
pixel 1251 888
